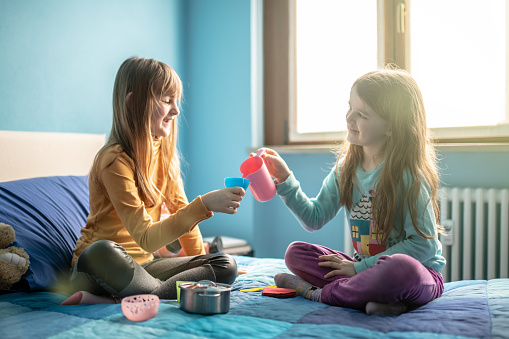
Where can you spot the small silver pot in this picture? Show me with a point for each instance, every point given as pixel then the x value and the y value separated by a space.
pixel 205 297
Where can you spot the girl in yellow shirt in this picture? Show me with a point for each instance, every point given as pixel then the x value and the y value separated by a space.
pixel 134 176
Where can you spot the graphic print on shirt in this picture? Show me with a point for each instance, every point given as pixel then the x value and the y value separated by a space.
pixel 365 238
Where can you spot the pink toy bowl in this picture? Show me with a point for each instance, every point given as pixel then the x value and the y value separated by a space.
pixel 140 307
pixel 260 182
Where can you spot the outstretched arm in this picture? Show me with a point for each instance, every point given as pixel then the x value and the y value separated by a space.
pixel 150 234
pixel 312 213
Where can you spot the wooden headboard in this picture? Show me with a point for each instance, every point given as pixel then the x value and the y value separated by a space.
pixel 40 154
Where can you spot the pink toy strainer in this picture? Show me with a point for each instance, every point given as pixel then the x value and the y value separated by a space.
pixel 260 182
pixel 140 307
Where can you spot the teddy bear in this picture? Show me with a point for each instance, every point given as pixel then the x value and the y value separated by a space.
pixel 13 260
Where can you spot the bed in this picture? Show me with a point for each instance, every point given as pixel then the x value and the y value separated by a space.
pixel 47 213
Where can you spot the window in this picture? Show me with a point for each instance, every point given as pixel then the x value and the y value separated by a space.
pixel 455 49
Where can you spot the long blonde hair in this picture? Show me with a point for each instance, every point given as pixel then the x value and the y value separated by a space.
pixel 147 80
pixel 394 95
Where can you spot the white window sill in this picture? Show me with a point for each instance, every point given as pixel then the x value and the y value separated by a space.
pixel 442 147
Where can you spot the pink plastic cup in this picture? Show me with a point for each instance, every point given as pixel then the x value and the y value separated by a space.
pixel 260 182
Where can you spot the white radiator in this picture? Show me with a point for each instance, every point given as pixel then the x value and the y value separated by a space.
pixel 476 243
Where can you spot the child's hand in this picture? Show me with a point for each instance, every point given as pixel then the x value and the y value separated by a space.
pixel 226 200
pixel 338 264
pixel 277 167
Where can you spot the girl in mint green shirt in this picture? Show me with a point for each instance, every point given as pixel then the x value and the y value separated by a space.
pixel 387 180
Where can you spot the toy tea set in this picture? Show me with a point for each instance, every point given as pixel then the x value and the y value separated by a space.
pixel 255 175
pixel 206 297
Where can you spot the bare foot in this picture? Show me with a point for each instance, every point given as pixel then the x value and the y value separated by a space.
pixel 385 309
pixel 73 299
pixel 83 297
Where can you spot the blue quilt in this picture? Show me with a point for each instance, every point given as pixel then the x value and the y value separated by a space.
pixel 467 309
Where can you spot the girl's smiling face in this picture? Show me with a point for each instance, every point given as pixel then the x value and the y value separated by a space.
pixel 365 127
pixel 165 111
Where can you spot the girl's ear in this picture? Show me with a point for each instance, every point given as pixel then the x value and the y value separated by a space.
pixel 127 98
pixel 388 132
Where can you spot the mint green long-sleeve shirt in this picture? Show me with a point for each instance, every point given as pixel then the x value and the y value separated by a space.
pixel 314 213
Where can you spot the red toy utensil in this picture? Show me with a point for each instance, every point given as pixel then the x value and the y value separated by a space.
pixel 277 292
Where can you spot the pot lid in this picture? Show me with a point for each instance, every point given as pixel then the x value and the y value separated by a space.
pixel 205 285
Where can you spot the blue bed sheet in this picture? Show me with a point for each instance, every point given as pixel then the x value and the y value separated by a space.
pixel 467 309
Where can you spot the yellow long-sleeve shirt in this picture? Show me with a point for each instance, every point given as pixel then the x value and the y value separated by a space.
pixel 118 214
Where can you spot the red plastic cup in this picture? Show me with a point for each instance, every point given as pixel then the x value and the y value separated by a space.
pixel 260 182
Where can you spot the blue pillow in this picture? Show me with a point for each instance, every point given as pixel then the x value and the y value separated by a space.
pixel 47 215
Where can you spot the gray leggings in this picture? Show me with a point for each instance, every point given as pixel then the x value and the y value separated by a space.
pixel 105 268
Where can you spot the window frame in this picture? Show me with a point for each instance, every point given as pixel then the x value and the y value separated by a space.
pixel 279 73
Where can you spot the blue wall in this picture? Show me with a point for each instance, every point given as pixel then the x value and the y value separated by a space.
pixel 59 60
pixel 218 105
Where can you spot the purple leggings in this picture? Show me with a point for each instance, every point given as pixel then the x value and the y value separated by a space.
pixel 393 278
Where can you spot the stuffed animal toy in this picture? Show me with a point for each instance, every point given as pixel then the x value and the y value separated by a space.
pixel 13 260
